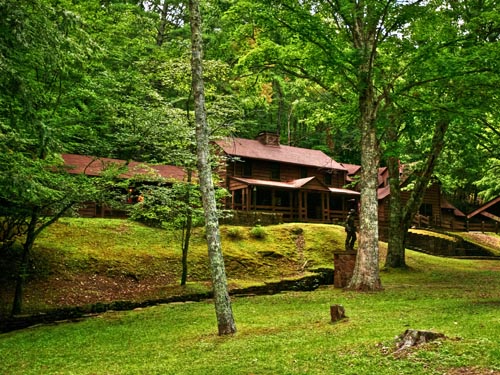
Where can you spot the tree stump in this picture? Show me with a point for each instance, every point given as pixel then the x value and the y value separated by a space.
pixel 337 312
pixel 414 337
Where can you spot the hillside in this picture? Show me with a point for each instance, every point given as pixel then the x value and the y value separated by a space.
pixel 78 262
pixel 85 261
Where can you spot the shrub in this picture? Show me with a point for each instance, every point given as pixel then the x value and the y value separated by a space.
pixel 235 233
pixel 258 232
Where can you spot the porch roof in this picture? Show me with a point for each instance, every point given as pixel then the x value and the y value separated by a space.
pixel 344 191
pixel 294 184
pixel 447 205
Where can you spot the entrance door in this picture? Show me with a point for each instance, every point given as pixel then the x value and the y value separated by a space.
pixel 314 206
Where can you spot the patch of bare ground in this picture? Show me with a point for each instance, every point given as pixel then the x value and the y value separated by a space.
pixel 82 289
pixel 485 239
pixel 472 371
pixel 79 290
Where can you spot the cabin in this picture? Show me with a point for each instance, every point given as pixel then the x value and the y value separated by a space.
pixel 290 184
pixel 435 211
pixel 143 173
pixel 486 218
pixel 298 184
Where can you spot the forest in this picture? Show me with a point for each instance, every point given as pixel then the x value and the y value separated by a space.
pixel 375 83
pixel 112 79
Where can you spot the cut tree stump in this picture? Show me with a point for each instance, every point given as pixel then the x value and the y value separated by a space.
pixel 337 312
pixel 414 337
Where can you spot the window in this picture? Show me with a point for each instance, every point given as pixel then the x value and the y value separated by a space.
pixel 425 209
pixel 247 168
pixel 303 172
pixel 275 171
pixel 328 179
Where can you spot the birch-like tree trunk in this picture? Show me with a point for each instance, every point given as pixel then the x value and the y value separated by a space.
pixel 225 320
pixel 364 37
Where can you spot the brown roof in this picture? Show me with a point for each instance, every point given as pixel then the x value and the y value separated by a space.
pixel 484 207
pixel 293 184
pixel 248 148
pixel 383 192
pixel 447 205
pixel 94 166
pixel 351 168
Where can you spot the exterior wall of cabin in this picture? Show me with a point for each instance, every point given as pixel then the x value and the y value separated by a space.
pixel 312 203
pixel 429 213
pixel 262 170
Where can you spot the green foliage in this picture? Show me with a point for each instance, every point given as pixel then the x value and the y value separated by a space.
pixel 42 47
pixel 488 184
pixel 168 205
pixel 258 232
pixel 235 233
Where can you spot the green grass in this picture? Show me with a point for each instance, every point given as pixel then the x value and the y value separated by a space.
pixel 289 333
pixel 77 258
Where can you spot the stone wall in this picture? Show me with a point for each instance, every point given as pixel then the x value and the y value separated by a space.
pixel 452 246
pixel 251 218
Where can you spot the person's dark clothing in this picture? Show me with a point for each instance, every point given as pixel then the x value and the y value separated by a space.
pixel 350 228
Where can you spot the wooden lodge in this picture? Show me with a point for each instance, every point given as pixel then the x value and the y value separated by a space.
pixel 95 166
pixel 298 184
pixel 289 184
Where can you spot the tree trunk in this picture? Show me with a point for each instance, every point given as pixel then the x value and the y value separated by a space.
pixel 160 36
pixel 397 229
pixel 278 95
pixel 22 273
pixel 225 320
pixel 186 236
pixel 401 217
pixel 366 272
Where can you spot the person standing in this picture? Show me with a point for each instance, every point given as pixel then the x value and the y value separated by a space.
pixel 350 229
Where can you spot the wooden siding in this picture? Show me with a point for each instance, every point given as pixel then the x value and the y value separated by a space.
pixel 261 170
pixel 431 202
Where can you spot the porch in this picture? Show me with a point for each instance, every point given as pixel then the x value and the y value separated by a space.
pixel 303 200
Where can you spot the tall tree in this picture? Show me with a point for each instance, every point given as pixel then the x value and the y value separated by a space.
pixel 446 86
pixel 225 320
pixel 41 52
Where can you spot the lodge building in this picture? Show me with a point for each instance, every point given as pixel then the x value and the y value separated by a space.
pixel 292 184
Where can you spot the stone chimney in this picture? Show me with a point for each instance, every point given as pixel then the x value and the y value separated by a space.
pixel 268 138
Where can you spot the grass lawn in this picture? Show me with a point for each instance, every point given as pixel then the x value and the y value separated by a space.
pixel 288 333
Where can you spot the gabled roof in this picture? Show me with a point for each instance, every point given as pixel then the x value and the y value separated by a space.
pixel 94 166
pixel 248 148
pixel 483 210
pixel 293 184
pixel 352 169
pixel 447 205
